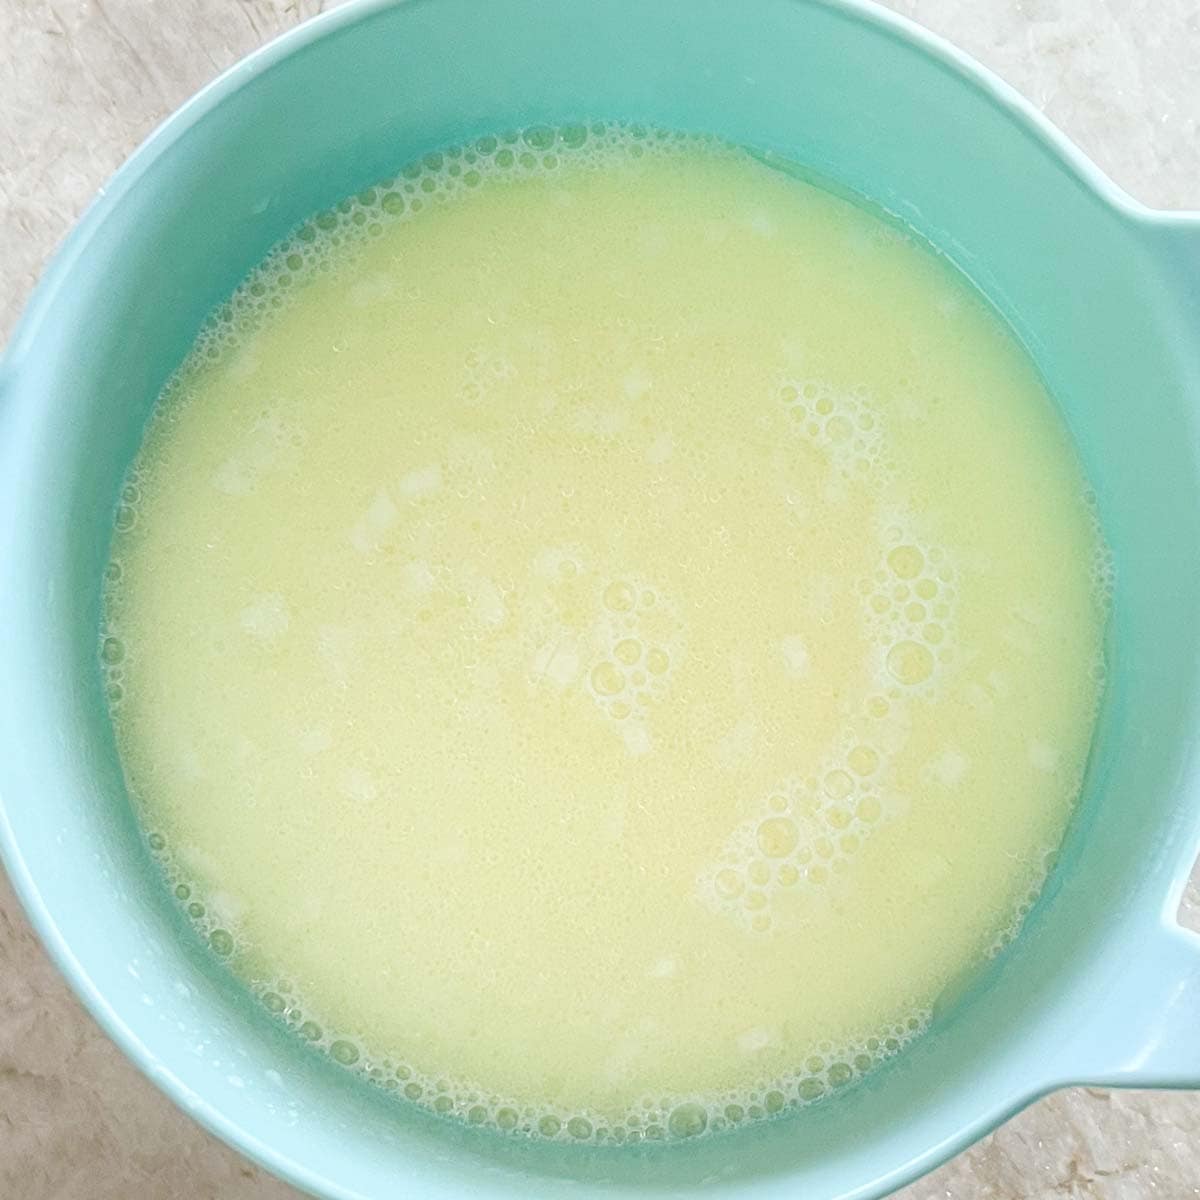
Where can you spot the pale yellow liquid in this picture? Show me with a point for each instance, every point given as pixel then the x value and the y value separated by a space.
pixel 605 651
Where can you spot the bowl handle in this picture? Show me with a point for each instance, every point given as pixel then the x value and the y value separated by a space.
pixel 8 375
pixel 1145 1033
pixel 1176 239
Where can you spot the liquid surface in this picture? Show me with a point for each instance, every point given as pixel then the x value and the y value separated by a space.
pixel 602 634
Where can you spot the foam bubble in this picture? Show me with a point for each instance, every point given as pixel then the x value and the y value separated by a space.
pixel 843 424
pixel 607 679
pixel 628 651
pixel 657 661
pixel 910 663
pixel 778 837
pixel 906 562
pixel 799 834
pixel 620 596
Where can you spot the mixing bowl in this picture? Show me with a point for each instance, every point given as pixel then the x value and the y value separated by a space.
pixel 1100 987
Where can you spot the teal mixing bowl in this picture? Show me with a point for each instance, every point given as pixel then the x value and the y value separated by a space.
pixel 1101 986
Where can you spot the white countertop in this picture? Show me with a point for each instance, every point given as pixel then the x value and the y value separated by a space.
pixel 81 83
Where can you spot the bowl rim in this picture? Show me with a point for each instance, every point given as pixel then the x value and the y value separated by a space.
pixel 284 45
pixel 56 277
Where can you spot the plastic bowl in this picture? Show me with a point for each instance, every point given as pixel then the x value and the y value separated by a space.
pixel 1100 987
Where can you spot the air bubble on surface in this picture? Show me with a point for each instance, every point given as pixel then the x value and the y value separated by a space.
pixel 842 424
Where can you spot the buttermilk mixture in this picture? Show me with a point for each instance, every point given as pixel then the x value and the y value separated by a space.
pixel 602 633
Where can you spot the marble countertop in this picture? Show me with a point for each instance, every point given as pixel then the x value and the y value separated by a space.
pixel 81 83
